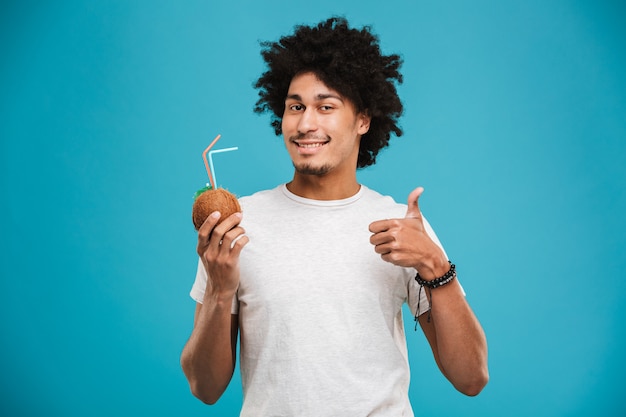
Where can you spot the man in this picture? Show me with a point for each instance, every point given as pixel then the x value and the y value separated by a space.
pixel 314 274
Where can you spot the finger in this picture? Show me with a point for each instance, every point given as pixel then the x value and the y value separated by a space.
pixel 238 244
pixel 379 226
pixel 231 237
pixel 381 238
pixel 229 223
pixel 382 249
pixel 413 209
pixel 210 222
pixel 204 233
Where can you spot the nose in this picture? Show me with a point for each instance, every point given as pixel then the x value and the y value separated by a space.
pixel 308 121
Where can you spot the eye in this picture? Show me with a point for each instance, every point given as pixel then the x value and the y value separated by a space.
pixel 296 107
pixel 326 107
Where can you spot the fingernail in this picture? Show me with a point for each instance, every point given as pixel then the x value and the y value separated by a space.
pixel 216 214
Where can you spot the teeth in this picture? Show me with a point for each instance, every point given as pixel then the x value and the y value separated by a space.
pixel 310 145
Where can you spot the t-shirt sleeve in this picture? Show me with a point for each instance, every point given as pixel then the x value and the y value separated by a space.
pixel 199 287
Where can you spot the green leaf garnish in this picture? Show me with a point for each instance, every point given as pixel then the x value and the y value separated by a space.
pixel 201 190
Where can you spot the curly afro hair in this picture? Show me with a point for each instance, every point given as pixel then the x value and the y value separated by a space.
pixel 346 60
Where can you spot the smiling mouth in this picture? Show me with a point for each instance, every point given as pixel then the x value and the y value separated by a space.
pixel 308 145
pixel 310 142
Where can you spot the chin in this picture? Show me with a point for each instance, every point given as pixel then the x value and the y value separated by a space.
pixel 308 169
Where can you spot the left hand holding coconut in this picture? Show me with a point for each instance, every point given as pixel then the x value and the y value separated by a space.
pixel 220 237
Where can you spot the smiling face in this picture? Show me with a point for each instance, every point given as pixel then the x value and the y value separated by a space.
pixel 321 128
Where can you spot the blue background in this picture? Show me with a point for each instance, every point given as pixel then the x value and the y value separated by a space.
pixel 515 124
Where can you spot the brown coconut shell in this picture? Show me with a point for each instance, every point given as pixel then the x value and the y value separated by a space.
pixel 213 200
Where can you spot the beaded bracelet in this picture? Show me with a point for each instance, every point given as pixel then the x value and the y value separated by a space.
pixel 435 283
pixel 438 282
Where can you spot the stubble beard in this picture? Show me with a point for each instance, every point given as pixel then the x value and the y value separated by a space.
pixel 308 169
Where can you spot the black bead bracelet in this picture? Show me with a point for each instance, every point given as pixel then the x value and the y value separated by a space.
pixel 438 282
pixel 435 283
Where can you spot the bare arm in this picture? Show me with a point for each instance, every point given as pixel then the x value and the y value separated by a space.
pixel 456 339
pixel 454 334
pixel 208 359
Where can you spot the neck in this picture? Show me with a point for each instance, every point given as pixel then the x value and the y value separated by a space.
pixel 320 187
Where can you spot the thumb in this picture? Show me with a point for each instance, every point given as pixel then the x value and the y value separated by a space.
pixel 413 209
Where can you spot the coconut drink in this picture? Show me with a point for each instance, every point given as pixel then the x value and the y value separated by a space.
pixel 211 198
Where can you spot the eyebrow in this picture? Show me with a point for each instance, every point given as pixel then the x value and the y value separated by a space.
pixel 319 97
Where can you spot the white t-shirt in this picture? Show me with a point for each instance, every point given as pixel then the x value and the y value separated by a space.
pixel 320 313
